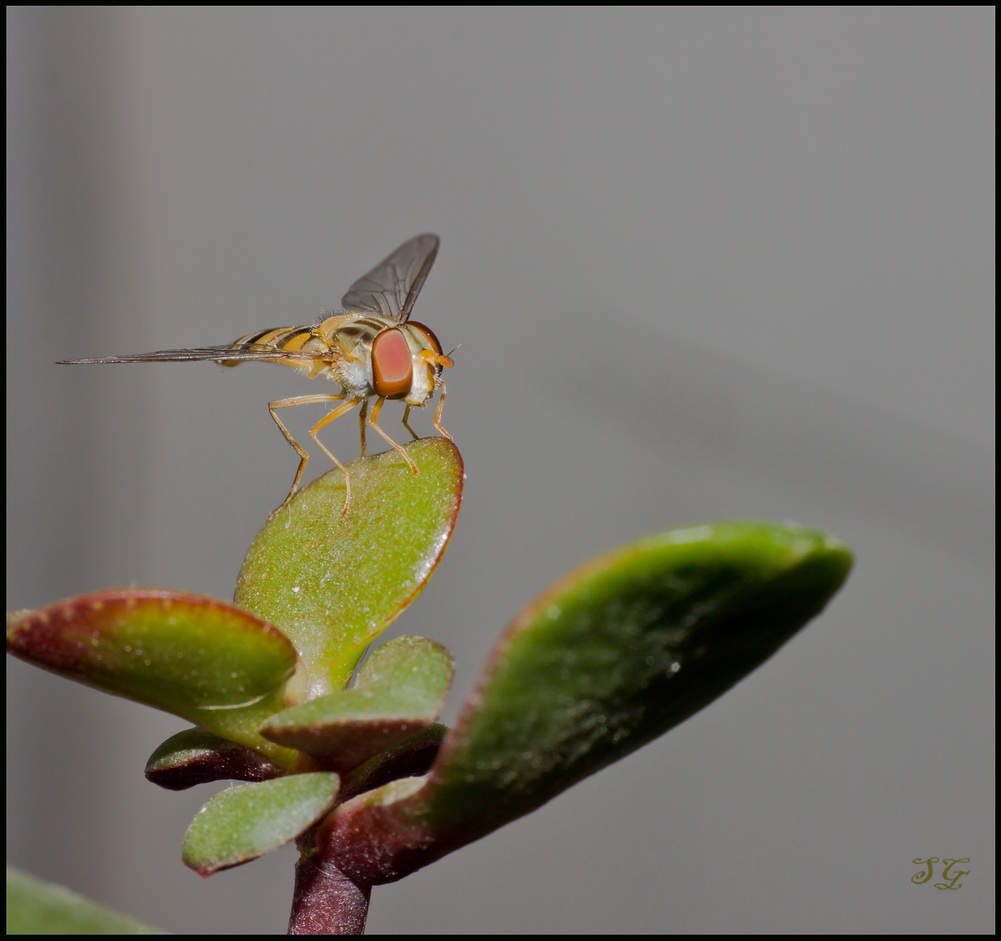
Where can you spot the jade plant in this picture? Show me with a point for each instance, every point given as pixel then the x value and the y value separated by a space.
pixel 341 752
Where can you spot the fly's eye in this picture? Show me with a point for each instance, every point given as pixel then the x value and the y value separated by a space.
pixel 392 365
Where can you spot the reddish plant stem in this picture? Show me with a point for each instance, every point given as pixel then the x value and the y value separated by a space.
pixel 325 900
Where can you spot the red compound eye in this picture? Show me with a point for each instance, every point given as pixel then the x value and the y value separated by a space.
pixel 392 365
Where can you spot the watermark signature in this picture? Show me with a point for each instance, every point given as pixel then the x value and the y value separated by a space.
pixel 949 874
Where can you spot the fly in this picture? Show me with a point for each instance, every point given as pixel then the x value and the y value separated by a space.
pixel 372 348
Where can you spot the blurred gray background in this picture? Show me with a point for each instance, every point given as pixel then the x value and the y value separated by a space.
pixel 702 264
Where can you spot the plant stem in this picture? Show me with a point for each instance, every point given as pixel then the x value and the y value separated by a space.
pixel 325 900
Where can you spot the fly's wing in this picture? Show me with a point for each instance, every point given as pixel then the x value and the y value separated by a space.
pixel 388 290
pixel 391 287
pixel 217 354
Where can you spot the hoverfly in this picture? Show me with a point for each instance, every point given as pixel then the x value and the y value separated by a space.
pixel 370 349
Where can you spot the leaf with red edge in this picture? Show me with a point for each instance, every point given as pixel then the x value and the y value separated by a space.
pixel 399 691
pixel 611 657
pixel 334 582
pixel 205 660
pixel 249 820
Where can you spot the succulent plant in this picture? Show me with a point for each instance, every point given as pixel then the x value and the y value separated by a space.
pixel 349 761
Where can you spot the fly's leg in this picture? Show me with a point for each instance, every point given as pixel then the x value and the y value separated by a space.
pixel 437 412
pixel 362 415
pixel 374 422
pixel 437 416
pixel 303 454
pixel 322 423
pixel 406 423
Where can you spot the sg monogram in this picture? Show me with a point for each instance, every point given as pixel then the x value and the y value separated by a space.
pixel 949 876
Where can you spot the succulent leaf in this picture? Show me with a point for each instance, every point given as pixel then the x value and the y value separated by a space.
pixel 334 582
pixel 209 662
pixel 249 820
pixel 611 657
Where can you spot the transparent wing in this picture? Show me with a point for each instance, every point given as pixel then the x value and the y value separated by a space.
pixel 391 287
pixel 217 354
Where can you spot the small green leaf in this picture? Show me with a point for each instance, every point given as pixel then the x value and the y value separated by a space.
pixel 36 907
pixel 399 691
pixel 249 820
pixel 204 660
pixel 612 656
pixel 333 583
pixel 195 756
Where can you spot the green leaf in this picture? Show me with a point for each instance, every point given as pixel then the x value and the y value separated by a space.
pixel 333 583
pixel 36 907
pixel 204 660
pixel 399 691
pixel 611 657
pixel 246 821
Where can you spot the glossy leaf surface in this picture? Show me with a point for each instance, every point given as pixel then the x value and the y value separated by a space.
pixel 612 656
pixel 333 583
pixel 205 660
pixel 195 756
pixel 399 691
pixel 249 820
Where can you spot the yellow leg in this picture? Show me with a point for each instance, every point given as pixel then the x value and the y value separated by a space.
pixel 437 413
pixel 406 422
pixel 314 432
pixel 362 414
pixel 303 454
pixel 374 422
pixel 437 416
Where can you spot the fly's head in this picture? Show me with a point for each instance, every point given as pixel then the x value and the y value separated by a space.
pixel 407 363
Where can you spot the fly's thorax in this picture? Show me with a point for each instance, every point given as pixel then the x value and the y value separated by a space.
pixel 351 336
